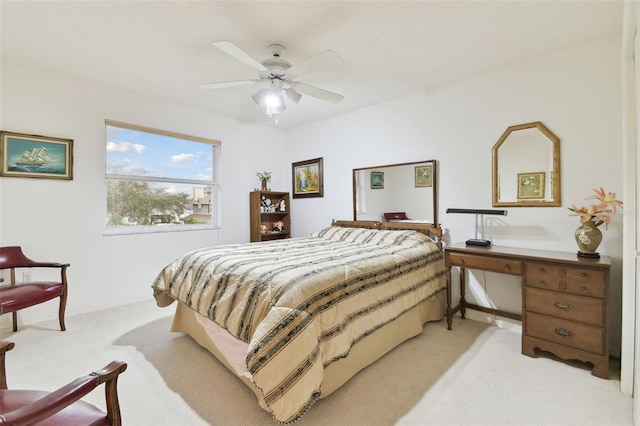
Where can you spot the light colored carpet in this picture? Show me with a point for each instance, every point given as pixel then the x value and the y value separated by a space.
pixel 472 375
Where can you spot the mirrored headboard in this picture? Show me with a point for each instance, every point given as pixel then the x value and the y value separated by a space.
pixel 409 188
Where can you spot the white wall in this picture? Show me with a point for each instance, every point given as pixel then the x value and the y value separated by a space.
pixel 576 93
pixel 630 358
pixel 64 220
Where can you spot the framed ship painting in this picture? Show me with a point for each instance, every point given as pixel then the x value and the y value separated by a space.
pixel 34 156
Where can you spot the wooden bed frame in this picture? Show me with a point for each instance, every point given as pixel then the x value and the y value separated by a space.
pixel 362 354
pixel 432 231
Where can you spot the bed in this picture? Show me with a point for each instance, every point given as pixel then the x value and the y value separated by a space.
pixel 295 319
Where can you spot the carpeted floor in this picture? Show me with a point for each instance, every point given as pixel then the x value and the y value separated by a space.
pixel 472 375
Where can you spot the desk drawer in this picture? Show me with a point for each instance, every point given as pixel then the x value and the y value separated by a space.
pixel 542 275
pixel 564 332
pixel 587 282
pixel 588 310
pixel 493 264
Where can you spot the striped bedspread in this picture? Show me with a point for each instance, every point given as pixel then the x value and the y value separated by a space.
pixel 302 303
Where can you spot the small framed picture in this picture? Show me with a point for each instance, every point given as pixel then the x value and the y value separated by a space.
pixel 530 186
pixel 307 178
pixel 424 176
pixel 377 180
pixel 34 156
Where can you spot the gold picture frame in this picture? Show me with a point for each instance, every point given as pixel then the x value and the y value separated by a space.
pixel 424 176
pixel 34 156
pixel 531 186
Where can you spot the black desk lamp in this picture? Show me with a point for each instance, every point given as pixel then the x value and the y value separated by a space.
pixel 479 216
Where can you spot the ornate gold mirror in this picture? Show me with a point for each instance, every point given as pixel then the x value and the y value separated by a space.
pixel 404 188
pixel 526 167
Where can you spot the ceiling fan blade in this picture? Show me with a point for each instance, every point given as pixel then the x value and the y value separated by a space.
pixel 233 50
pixel 328 59
pixel 318 93
pixel 228 84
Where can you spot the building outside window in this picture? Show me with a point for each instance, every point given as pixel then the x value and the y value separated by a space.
pixel 159 181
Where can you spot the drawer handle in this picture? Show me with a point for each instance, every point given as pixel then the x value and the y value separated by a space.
pixel 541 269
pixel 506 267
pixel 563 332
pixel 584 275
pixel 562 305
pixel 541 283
pixel 584 290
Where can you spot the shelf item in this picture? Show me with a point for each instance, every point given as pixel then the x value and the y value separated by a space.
pixel 270 215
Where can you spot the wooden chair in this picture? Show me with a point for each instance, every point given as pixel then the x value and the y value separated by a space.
pixel 20 295
pixel 62 406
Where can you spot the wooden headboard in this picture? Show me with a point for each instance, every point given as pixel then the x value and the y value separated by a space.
pixel 428 229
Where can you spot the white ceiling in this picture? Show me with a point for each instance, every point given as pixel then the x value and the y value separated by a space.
pixel 389 48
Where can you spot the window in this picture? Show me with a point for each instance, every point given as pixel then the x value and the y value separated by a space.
pixel 159 181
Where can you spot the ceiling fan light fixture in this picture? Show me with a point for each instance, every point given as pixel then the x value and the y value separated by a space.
pixel 258 98
pixel 293 95
pixel 271 100
pixel 274 104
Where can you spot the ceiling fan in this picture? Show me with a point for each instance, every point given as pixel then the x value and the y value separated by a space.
pixel 279 76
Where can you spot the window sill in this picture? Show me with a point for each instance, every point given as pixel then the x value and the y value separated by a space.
pixel 129 230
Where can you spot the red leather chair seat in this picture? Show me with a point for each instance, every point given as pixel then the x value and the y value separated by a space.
pixel 79 413
pixel 28 294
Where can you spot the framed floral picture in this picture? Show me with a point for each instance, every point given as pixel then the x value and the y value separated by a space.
pixel 307 178
pixel 424 176
pixel 377 180
pixel 530 186
pixel 34 156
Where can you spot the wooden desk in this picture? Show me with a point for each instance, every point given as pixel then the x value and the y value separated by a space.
pixel 565 305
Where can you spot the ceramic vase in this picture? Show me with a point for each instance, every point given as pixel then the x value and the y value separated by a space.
pixel 588 237
pixel 264 185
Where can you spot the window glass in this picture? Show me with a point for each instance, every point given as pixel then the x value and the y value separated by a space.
pixel 159 181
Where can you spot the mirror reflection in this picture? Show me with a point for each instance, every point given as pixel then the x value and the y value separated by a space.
pixel 403 191
pixel 526 167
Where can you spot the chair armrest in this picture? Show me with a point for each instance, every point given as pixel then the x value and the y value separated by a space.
pixel 48 265
pixel 109 372
pixel 4 348
pixel 68 394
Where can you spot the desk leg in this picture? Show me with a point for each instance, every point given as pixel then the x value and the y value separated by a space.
pixel 463 302
pixel 449 311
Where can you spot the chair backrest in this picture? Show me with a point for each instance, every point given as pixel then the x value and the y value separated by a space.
pixel 13 257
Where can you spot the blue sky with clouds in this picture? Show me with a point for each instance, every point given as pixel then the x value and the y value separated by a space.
pixel 157 155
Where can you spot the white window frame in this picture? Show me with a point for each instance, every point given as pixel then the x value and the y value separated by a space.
pixel 213 183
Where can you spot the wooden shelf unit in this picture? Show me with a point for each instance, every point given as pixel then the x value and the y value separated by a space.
pixel 259 218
